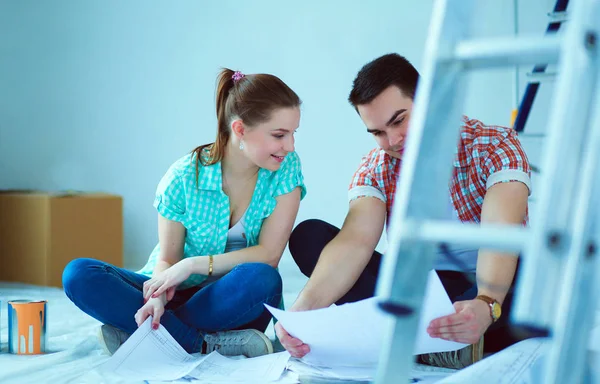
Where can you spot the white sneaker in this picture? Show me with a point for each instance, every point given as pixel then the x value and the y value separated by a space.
pixel 454 359
pixel 111 338
pixel 247 342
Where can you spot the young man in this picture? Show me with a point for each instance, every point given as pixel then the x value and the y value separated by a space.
pixel 490 183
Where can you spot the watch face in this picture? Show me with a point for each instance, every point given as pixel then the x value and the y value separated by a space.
pixel 496 311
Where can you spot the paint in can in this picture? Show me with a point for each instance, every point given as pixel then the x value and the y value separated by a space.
pixel 27 327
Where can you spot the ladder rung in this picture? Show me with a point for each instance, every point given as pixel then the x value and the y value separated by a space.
pixel 509 51
pixel 541 76
pixel 558 17
pixel 532 135
pixel 497 236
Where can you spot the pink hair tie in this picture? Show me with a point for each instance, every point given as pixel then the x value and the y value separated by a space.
pixel 237 76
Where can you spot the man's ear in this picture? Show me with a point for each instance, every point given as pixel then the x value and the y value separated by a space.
pixel 237 127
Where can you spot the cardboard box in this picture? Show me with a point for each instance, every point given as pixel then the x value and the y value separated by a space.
pixel 40 232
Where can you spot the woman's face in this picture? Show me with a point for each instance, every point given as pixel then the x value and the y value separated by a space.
pixel 266 144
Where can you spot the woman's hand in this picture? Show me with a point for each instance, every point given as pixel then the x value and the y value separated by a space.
pixel 154 307
pixel 167 280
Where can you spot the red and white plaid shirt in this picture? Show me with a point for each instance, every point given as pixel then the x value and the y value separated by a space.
pixel 486 155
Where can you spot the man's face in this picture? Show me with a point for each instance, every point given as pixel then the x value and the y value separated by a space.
pixel 386 118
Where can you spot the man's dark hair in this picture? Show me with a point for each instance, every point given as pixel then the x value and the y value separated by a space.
pixel 379 74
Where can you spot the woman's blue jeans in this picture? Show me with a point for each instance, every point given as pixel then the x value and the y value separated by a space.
pixel 113 295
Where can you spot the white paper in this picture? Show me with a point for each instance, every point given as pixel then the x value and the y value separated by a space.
pixel 352 334
pixel 429 378
pixel 521 363
pixel 287 377
pixel 154 356
pixel 361 373
pixel 436 304
pixel 339 373
pixel 267 368
pixel 151 355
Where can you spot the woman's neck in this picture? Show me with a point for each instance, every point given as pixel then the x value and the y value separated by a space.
pixel 236 166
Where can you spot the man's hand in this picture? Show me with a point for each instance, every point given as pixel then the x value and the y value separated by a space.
pixel 294 346
pixel 467 325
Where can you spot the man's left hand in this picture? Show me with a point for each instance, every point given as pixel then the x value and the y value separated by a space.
pixel 467 325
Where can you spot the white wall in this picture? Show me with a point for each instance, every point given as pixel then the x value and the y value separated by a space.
pixel 104 95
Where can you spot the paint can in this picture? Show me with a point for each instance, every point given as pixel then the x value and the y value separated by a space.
pixel 27 327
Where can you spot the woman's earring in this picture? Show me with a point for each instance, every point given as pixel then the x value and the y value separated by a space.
pixel 241 145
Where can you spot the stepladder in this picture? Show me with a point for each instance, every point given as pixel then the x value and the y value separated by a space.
pixel 560 275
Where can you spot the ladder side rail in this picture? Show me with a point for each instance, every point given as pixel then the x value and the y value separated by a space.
pixel 578 297
pixel 433 133
pixel 542 265
pixel 576 301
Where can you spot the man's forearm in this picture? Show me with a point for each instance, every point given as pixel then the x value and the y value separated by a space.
pixel 504 203
pixel 495 273
pixel 339 266
pixel 344 259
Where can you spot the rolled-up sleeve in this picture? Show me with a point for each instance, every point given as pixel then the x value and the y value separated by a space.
pixel 364 183
pixel 170 196
pixel 508 162
pixel 290 176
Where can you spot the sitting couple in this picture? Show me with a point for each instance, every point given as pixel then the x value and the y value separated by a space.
pixel 226 212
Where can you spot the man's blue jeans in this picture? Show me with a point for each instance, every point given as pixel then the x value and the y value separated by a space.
pixel 113 295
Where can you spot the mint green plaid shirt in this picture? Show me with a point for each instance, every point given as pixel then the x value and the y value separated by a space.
pixel 204 211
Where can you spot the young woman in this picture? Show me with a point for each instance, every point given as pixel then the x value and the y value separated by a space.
pixel 225 213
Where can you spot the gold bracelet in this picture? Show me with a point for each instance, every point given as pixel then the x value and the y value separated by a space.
pixel 210 265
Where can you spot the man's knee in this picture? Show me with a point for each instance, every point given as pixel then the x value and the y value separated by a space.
pixel 304 232
pixel 307 241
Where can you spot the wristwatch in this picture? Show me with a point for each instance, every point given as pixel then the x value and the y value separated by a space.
pixel 495 307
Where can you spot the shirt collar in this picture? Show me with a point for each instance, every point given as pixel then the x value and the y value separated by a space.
pixel 211 178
